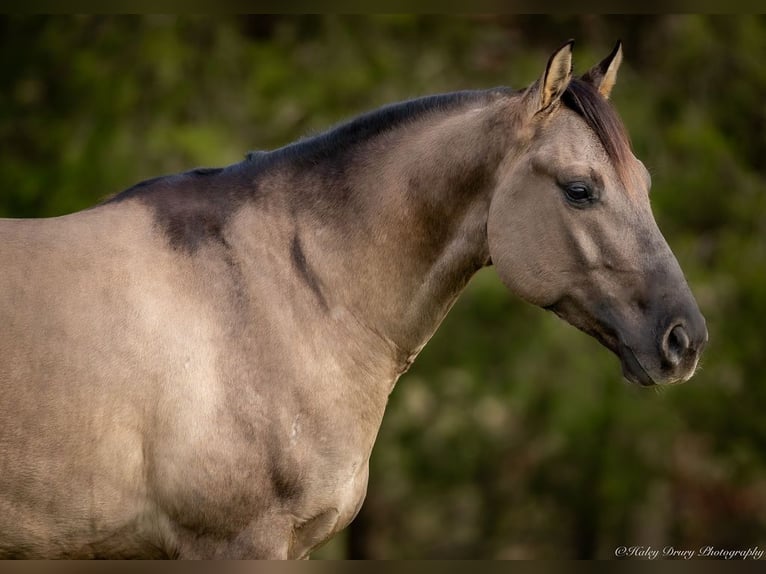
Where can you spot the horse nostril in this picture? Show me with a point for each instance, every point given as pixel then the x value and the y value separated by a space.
pixel 675 344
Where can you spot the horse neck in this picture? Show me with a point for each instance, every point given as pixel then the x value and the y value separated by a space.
pixel 397 237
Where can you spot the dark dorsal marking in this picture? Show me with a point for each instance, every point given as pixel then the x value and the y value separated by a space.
pixel 305 272
pixel 192 208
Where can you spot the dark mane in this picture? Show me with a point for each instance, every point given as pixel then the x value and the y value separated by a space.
pixel 345 136
pixel 333 142
pixel 193 207
pixel 583 99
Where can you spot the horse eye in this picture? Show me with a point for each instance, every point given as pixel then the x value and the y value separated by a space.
pixel 578 193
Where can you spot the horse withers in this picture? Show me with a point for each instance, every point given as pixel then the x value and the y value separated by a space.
pixel 198 367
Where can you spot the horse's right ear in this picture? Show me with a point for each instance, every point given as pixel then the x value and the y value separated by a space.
pixel 553 83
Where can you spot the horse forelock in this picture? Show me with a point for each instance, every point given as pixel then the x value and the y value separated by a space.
pixel 598 113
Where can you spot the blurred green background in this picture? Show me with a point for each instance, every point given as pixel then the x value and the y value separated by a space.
pixel 513 436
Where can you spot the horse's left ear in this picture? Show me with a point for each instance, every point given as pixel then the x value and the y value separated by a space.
pixel 604 75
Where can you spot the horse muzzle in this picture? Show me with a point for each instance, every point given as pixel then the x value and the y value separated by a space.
pixel 675 356
pixel 646 359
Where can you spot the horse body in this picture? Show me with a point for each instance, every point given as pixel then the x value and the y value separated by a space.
pixel 199 366
pixel 166 391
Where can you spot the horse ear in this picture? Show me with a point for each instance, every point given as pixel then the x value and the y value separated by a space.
pixel 558 73
pixel 603 75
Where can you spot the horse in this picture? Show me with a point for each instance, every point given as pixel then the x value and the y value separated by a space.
pixel 198 366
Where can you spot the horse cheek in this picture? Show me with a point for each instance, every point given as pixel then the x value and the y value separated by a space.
pixel 521 250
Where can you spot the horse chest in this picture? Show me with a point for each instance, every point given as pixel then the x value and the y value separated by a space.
pixel 283 467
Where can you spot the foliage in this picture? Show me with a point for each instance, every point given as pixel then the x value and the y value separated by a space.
pixel 512 435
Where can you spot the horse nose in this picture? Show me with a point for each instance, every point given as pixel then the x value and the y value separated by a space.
pixel 676 345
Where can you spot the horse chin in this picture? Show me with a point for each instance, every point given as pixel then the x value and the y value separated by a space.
pixel 632 369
